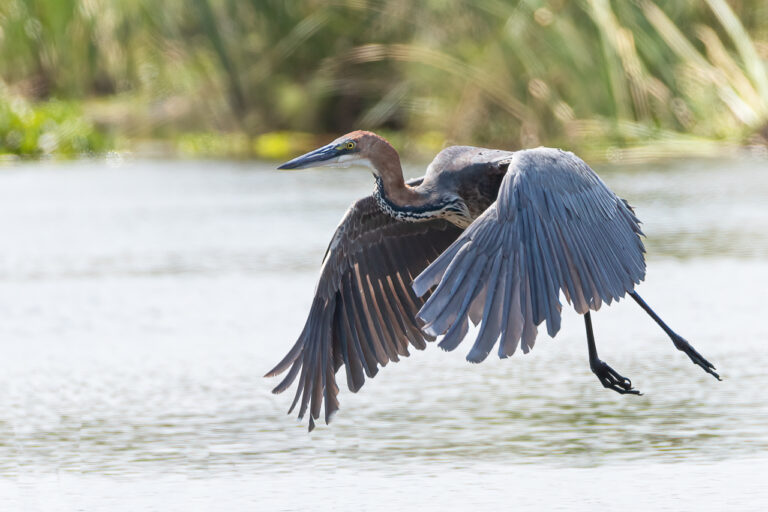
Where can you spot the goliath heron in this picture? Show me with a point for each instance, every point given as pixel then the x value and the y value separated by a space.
pixel 486 235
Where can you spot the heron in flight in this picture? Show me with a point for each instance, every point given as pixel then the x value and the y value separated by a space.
pixel 487 236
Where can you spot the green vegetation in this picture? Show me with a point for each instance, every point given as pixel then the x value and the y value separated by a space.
pixel 610 78
pixel 46 128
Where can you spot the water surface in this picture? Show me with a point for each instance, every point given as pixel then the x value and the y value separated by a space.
pixel 140 305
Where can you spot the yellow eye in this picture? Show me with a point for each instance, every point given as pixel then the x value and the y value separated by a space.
pixel 350 145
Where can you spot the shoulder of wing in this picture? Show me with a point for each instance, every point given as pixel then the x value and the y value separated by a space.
pixel 362 216
pixel 456 158
pixel 550 178
pixel 364 227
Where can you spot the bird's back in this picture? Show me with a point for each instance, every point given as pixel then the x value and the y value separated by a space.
pixel 472 173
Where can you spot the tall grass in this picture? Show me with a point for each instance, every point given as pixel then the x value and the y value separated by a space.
pixel 599 75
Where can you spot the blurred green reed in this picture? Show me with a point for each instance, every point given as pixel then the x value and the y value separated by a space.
pixel 612 78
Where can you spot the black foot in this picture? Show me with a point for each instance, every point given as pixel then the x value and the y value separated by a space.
pixel 696 358
pixel 611 379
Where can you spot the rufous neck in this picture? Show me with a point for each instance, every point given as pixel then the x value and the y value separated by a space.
pixel 386 164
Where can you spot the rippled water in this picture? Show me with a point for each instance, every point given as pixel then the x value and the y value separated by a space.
pixel 140 305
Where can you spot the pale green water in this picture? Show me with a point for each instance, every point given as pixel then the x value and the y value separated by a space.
pixel 139 307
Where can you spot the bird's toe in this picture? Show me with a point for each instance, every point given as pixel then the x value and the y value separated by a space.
pixel 611 379
pixel 694 356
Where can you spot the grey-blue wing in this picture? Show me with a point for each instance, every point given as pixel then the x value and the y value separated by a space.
pixel 555 227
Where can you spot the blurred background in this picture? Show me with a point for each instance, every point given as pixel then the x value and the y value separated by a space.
pixel 154 264
pixel 259 78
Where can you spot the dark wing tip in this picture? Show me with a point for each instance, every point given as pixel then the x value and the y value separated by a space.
pixel 280 367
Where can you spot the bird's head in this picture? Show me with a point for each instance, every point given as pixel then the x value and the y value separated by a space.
pixel 358 147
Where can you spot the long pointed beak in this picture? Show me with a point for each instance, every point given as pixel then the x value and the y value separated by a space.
pixel 321 156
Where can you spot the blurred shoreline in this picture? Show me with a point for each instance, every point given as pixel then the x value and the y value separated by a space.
pixel 613 81
pixel 280 146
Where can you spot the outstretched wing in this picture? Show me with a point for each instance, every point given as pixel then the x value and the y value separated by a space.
pixel 364 311
pixel 555 226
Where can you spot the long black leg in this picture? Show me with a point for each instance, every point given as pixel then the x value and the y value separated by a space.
pixel 680 342
pixel 608 377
